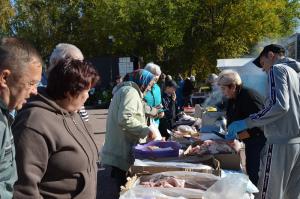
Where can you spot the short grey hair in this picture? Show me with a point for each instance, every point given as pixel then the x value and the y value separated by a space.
pixel 212 78
pixel 16 54
pixel 192 78
pixel 153 68
pixel 64 51
pixel 229 77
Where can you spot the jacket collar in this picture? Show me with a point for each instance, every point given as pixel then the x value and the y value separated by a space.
pixel 3 106
pixel 132 84
pixel 5 111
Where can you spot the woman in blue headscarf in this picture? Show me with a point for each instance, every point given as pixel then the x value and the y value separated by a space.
pixel 142 78
pixel 126 125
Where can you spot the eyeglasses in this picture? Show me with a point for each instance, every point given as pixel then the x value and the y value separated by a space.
pixel 24 82
pixel 31 84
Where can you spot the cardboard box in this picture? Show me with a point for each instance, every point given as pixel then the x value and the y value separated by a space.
pixel 206 160
pixel 230 161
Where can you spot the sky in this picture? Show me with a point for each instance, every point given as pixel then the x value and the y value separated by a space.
pixel 298 28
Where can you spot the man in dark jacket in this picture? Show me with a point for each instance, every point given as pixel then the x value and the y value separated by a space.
pixel 241 103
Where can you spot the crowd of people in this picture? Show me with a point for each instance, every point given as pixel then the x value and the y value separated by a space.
pixel 47 148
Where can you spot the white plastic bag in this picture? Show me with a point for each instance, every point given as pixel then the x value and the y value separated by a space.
pixel 156 132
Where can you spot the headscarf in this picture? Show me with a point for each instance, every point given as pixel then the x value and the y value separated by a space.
pixel 141 77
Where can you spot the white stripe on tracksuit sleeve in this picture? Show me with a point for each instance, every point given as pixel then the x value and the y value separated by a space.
pixel 280 159
pixel 278 100
pixel 280 117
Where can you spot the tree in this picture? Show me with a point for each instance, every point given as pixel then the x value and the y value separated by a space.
pixel 228 29
pixel 184 36
pixel 6 13
pixel 145 28
pixel 46 23
pixel 190 35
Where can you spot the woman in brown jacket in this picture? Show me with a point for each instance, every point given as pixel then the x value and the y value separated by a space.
pixel 55 152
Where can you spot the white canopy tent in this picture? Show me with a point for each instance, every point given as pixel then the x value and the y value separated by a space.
pixel 252 76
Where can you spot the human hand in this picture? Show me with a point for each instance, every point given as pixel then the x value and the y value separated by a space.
pixel 151 136
pixel 174 96
pixel 160 114
pixel 234 128
pixel 160 106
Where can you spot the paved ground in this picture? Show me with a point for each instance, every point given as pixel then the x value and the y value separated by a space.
pixel 97 118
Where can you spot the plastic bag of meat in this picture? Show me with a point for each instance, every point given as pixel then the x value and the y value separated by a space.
pixel 198 182
pixel 214 147
pixel 146 193
pixel 233 186
pixel 179 179
pixel 187 130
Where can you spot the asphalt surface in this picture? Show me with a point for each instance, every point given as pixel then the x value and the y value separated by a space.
pixel 97 118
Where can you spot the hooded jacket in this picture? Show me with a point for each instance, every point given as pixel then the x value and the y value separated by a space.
pixel 126 124
pixel 56 154
pixel 281 115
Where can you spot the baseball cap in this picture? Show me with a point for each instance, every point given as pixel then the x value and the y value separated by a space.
pixel 275 48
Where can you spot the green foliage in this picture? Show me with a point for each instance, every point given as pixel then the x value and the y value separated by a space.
pixel 99 97
pixel 142 27
pixel 6 13
pixel 228 29
pixel 46 23
pixel 184 36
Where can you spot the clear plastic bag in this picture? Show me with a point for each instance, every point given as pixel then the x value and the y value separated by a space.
pixel 232 186
pixel 155 131
pixel 140 192
pixel 193 178
pixel 187 129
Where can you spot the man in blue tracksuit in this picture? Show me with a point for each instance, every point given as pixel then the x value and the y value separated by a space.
pixel 279 176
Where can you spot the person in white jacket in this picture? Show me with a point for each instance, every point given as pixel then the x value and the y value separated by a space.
pixel 280 159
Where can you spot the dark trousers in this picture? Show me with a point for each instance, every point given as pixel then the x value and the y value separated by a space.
pixel 164 124
pixel 109 182
pixel 252 152
pixel 187 100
